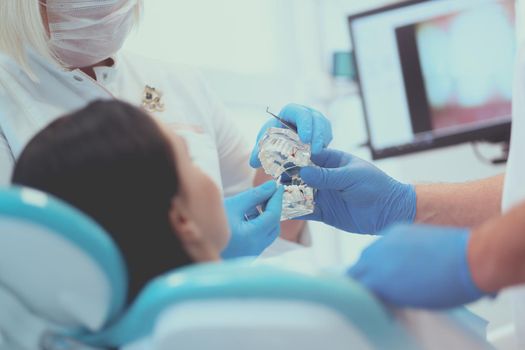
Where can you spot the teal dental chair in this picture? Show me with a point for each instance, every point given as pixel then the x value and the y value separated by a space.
pixel 63 286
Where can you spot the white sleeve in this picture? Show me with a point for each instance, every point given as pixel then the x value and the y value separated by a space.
pixel 6 161
pixel 233 149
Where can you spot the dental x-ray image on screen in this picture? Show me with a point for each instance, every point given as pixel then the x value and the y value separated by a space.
pixel 467 60
pixel 439 73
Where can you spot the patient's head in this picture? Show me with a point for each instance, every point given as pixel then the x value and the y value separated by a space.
pixel 118 165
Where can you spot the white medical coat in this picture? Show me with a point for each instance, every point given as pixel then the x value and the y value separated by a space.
pixel 26 106
pixel 514 191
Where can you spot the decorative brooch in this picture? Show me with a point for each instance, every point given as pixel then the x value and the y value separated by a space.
pixel 152 100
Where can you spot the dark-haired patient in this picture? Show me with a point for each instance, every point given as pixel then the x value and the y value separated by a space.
pixel 119 166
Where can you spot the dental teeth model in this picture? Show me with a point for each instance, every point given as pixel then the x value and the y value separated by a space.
pixel 282 155
pixel 297 201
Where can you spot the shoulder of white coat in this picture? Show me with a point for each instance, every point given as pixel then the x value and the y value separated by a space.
pixel 14 76
pixel 183 75
pixel 9 69
pixel 187 83
pixel 182 86
pixel 5 60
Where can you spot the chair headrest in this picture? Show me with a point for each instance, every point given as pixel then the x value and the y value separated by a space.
pixel 236 280
pixel 58 262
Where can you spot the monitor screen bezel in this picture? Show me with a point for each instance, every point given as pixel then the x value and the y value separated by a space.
pixel 499 132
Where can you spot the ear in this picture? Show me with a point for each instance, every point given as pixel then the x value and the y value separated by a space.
pixel 183 225
pixel 190 234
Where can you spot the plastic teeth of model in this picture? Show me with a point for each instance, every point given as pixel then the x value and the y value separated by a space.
pixel 298 200
pixel 282 155
pixel 281 151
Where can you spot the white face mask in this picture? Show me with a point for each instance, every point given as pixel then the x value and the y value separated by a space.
pixel 85 32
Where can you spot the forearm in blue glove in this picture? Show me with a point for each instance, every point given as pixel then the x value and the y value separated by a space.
pixel 355 196
pixel 312 127
pixel 252 237
pixel 419 266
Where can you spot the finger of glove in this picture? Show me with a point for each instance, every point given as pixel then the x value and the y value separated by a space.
pixel 250 199
pixel 271 217
pixel 326 179
pixel 329 158
pixel 322 132
pixel 254 156
pixel 272 236
pixel 302 117
pixel 358 270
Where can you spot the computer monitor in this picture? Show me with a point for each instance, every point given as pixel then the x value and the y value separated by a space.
pixel 434 73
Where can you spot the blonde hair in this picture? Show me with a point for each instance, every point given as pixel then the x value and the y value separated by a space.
pixel 22 26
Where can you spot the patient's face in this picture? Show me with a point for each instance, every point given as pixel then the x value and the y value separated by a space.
pixel 202 200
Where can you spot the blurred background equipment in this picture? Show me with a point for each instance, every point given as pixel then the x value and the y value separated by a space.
pixel 435 73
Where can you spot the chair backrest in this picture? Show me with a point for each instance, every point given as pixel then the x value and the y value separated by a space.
pixel 58 269
pixel 235 305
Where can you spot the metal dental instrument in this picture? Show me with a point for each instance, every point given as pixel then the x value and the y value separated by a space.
pixel 282 121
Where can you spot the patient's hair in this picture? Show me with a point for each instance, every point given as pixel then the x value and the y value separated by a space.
pixel 112 161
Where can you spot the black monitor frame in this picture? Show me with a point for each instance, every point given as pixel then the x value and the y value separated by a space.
pixel 494 133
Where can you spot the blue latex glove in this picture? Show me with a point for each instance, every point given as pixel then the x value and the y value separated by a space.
pixel 251 237
pixel 355 196
pixel 419 266
pixel 313 128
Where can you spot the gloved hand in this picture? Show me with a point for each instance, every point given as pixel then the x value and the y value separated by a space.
pixel 251 237
pixel 419 266
pixel 312 127
pixel 355 196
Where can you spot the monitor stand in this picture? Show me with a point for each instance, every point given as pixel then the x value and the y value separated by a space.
pixel 505 148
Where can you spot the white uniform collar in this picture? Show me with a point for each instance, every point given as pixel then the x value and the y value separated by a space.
pixel 106 75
